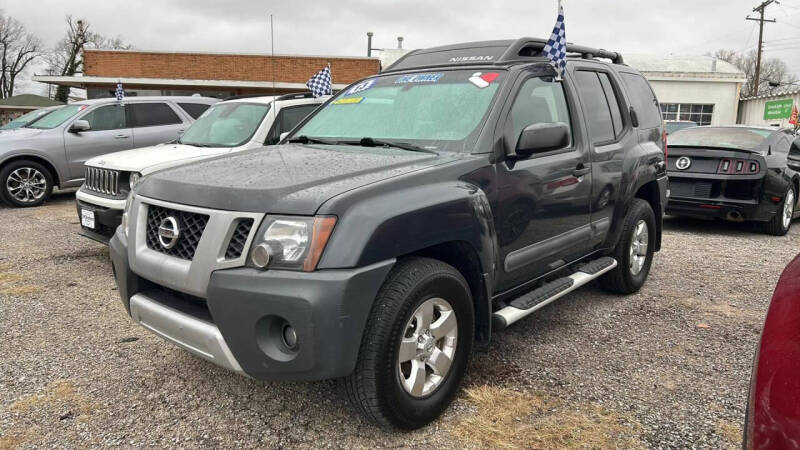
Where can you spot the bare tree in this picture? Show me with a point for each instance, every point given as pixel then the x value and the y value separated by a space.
pixel 66 59
pixel 18 48
pixel 773 70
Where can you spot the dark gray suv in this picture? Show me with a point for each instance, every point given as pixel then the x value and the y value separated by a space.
pixel 51 150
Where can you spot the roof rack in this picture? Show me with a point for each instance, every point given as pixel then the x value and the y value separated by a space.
pixel 493 52
pixel 292 96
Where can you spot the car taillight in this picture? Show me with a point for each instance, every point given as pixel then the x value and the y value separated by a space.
pixel 729 166
pixel 664 141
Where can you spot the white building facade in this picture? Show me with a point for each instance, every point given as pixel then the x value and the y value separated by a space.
pixel 700 89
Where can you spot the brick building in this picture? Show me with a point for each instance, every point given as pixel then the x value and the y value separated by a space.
pixel 211 74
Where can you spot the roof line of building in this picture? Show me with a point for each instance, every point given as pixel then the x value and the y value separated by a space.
pixel 80 82
pixel 693 76
pixel 777 94
pixel 167 52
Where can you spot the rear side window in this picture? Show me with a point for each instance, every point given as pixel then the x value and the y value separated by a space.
pixel 153 114
pixel 643 100
pixel 109 117
pixel 598 112
pixel 613 103
pixel 287 119
pixel 539 101
pixel 194 109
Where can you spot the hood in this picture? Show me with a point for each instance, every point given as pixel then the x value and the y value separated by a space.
pixel 283 179
pixel 148 159
pixel 18 134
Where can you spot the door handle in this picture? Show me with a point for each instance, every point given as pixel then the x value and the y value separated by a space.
pixel 580 171
pixel 121 136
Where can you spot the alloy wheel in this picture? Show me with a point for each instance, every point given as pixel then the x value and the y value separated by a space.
pixel 638 250
pixel 26 184
pixel 788 208
pixel 428 347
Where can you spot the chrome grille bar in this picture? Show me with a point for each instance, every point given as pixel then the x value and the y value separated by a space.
pixel 105 181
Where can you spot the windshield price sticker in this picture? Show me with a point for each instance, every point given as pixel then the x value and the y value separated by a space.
pixel 348 101
pixel 419 78
pixel 361 87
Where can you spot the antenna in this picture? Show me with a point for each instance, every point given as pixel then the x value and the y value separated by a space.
pixel 272 58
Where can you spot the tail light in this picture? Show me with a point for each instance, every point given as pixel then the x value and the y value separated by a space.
pixel 664 141
pixel 729 166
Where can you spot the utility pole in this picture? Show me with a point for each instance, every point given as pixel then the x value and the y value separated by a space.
pixel 760 9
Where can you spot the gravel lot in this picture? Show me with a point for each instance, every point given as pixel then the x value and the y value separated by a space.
pixel 592 370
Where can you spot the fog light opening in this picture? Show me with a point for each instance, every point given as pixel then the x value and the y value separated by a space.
pixel 289 336
pixel 261 255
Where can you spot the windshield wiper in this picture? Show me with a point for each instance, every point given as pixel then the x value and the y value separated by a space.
pixel 370 142
pixel 312 140
pixel 194 144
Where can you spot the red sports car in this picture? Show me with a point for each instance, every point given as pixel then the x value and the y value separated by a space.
pixel 773 409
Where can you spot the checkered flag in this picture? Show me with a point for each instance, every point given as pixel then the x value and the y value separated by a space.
pixel 556 47
pixel 119 93
pixel 320 83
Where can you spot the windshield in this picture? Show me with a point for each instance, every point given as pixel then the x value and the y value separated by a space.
pixel 25 119
pixel 434 110
pixel 722 137
pixel 57 117
pixel 225 125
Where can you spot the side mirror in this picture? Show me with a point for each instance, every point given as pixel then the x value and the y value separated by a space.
pixel 79 125
pixel 283 136
pixel 794 155
pixel 542 137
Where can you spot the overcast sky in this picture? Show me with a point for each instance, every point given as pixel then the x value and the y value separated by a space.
pixel 338 28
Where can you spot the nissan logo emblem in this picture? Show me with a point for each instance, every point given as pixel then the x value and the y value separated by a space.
pixel 683 163
pixel 169 232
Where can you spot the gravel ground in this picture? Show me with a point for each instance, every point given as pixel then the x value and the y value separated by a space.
pixel 607 370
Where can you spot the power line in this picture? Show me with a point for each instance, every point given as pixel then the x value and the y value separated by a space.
pixel 761 20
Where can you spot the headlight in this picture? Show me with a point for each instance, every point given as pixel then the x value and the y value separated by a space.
pixel 124 224
pixel 294 243
pixel 134 179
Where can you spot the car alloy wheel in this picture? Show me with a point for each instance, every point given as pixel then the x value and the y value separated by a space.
pixel 638 250
pixel 428 347
pixel 788 209
pixel 26 184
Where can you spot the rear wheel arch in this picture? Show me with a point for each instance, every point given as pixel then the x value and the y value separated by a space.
pixel 38 159
pixel 464 258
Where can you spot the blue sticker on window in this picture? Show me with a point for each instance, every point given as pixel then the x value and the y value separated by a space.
pixel 360 87
pixel 419 78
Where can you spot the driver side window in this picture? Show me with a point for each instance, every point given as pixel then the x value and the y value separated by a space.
pixel 539 101
pixel 108 117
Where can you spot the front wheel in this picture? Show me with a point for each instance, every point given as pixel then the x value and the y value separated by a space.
pixel 415 347
pixel 634 251
pixel 782 221
pixel 25 183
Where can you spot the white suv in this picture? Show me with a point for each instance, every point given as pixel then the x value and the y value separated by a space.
pixel 229 126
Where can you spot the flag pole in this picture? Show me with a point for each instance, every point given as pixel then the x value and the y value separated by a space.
pixel 272 57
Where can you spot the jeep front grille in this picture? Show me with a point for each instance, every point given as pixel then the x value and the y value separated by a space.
pixel 191 226
pixel 104 181
pixel 239 239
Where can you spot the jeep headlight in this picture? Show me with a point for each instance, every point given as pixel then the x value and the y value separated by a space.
pixel 124 223
pixel 133 179
pixel 294 243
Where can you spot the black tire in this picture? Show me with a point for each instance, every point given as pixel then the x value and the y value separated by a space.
pixel 374 388
pixel 621 279
pixel 776 226
pixel 10 168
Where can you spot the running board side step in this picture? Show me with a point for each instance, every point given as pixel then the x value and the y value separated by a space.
pixel 538 298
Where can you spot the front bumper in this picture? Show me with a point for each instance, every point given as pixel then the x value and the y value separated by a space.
pixel 238 325
pixel 107 215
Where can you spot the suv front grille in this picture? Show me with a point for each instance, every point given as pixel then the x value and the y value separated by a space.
pixel 238 239
pixel 104 181
pixel 191 226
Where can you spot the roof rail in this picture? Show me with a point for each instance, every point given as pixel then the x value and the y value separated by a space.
pixel 492 52
pixel 295 96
